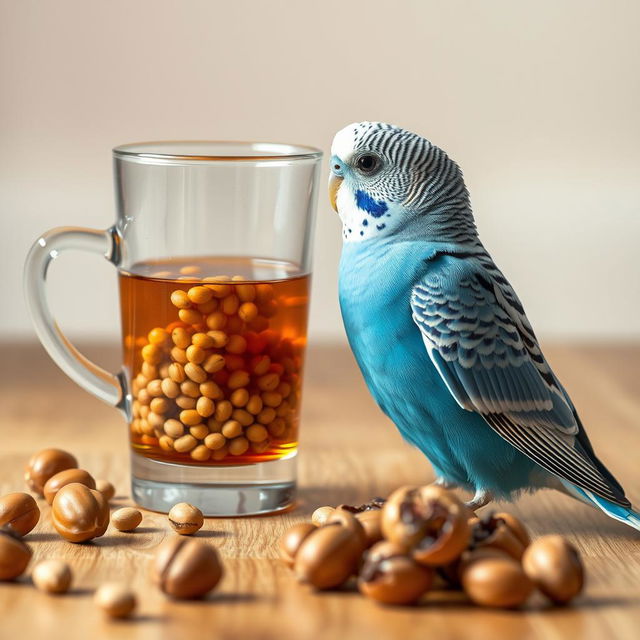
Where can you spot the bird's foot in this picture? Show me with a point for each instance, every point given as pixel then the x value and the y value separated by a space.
pixel 445 484
pixel 480 499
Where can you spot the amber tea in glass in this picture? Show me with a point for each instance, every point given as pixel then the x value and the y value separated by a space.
pixel 233 368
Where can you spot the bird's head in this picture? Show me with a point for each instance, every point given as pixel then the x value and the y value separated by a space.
pixel 385 180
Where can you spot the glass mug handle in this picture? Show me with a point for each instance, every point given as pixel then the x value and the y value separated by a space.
pixel 108 387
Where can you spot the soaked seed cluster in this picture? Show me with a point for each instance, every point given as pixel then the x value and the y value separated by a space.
pixel 218 382
pixel 422 539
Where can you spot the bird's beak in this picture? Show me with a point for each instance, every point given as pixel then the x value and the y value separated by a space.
pixel 334 184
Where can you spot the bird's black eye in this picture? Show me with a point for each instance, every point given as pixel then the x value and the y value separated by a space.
pixel 367 163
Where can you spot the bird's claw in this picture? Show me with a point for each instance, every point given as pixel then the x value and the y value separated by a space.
pixel 480 499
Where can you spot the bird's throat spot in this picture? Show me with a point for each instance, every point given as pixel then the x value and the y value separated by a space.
pixel 376 208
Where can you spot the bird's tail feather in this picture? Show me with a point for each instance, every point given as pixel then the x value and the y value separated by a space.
pixel 622 514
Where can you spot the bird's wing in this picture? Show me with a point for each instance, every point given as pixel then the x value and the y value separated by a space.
pixel 480 341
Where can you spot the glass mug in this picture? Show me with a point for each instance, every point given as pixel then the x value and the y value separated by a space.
pixel 213 245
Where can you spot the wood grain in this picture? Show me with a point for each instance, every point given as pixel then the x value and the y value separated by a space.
pixel 350 452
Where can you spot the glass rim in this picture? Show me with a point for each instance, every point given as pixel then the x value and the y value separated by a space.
pixel 214 151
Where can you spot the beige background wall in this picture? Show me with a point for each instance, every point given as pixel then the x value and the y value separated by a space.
pixel 538 102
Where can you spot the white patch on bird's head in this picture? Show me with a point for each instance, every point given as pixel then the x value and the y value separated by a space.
pixel 359 225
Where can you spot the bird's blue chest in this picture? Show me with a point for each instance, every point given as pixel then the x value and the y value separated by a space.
pixel 375 290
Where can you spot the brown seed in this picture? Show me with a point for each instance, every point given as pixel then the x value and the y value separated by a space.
pixel 190 388
pixel 208 307
pixel 166 443
pixel 201 341
pixel 239 397
pixel 144 398
pixel 272 399
pixel 195 354
pixel 264 293
pixel 220 290
pixel 201 453
pixel 215 441
pixel 256 433
pixel 238 379
pixel 106 489
pixel 149 371
pixel 19 513
pixel 155 420
pixel 220 454
pixel 267 415
pixel 496 582
pixel 179 355
pixel 190 316
pixel 151 353
pixel 231 429
pixel 116 600
pixel 158 336
pixel 79 513
pixel 180 299
pixel 154 388
pixel 185 518
pixel 199 431
pixel 230 305
pixel 186 402
pixel 246 292
pixel 268 382
pixel 554 566
pixel 176 372
pixel 170 388
pixel 392 577
pixel 68 476
pixel 180 337
pixel 516 526
pixel 185 444
pixel 14 555
pixel 261 366
pixel 186 568
pixel 371 521
pixel 430 519
pixel 52 576
pixel 242 416
pixel 219 338
pixel 327 557
pixel 199 294
pixel 247 312
pixel 45 464
pixel 126 519
pixel 216 321
pixel 490 532
pixel 254 403
pixel 223 411
pixel 210 389
pixel 291 540
pixel 213 363
pixel 348 520
pixel 205 406
pixel 320 516
pixel 160 405
pixel 195 372
pixel 236 345
pixel 238 446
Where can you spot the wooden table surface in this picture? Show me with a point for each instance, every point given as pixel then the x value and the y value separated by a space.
pixel 350 452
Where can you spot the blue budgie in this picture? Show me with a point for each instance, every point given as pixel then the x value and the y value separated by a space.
pixel 441 337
